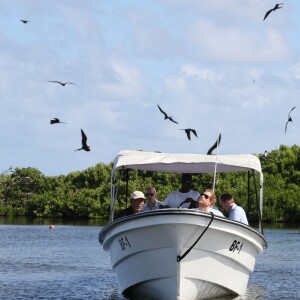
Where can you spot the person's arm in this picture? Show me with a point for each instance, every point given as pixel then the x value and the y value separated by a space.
pixel 167 201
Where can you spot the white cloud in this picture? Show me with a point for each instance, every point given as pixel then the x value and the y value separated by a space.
pixel 295 70
pixel 128 81
pixel 233 45
pixel 126 57
pixel 201 74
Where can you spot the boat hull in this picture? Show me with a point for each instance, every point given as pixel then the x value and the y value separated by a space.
pixel 181 254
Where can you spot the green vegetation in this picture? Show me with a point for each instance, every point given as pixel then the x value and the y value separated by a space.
pixel 86 194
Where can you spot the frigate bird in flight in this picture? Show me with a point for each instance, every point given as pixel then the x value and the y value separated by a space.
pixel 166 116
pixel 24 21
pixel 84 147
pixel 277 6
pixel 214 146
pixel 62 83
pixel 188 132
pixel 56 120
pixel 289 118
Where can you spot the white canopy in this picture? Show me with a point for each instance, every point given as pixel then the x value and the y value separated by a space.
pixel 185 163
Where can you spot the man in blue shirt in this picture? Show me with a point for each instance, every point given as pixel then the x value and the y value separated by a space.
pixel 236 212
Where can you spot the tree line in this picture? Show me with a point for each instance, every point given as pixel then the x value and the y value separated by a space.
pixel 86 194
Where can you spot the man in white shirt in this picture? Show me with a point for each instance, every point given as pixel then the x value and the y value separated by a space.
pixel 236 212
pixel 183 196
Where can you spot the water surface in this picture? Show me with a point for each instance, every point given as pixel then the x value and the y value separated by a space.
pixel 68 262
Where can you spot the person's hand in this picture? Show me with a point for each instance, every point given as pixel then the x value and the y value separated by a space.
pixel 164 206
pixel 188 200
pixel 193 204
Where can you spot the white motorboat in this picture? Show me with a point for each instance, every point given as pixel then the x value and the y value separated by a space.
pixel 177 253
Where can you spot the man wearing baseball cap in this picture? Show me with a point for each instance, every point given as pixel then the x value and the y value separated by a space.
pixel 136 204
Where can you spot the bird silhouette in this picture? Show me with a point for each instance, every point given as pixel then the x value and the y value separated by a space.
pixel 188 132
pixel 24 21
pixel 166 116
pixel 84 147
pixel 277 6
pixel 56 120
pixel 289 118
pixel 62 83
pixel 214 146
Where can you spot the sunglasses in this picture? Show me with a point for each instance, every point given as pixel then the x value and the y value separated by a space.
pixel 205 196
pixel 151 194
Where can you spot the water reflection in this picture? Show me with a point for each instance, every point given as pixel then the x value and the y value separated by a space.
pixel 47 221
pixel 69 263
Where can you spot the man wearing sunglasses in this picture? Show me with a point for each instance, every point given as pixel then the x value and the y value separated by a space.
pixel 184 195
pixel 152 202
pixel 206 201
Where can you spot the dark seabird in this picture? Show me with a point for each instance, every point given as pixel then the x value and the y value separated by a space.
pixel 166 116
pixel 188 132
pixel 277 6
pixel 56 120
pixel 62 83
pixel 289 118
pixel 84 147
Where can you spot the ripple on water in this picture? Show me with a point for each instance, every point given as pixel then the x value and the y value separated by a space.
pixel 69 263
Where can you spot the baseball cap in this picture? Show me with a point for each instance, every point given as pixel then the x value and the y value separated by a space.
pixel 138 195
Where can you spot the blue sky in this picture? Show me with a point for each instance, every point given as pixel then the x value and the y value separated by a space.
pixel 191 57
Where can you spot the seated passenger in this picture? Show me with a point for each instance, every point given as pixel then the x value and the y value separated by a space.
pixel 136 204
pixel 206 201
pixel 184 195
pixel 152 202
pixel 236 212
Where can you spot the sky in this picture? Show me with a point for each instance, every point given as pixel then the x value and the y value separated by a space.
pixel 214 66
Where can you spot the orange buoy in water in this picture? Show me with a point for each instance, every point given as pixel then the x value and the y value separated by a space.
pixel 51 226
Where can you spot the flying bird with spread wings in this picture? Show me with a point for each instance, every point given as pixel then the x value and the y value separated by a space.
pixel 84 147
pixel 24 21
pixel 56 121
pixel 62 83
pixel 188 132
pixel 166 116
pixel 289 119
pixel 277 6
pixel 215 145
